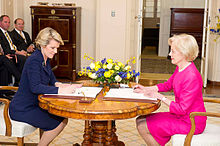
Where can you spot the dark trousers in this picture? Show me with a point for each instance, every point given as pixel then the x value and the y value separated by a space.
pixel 20 62
pixel 8 67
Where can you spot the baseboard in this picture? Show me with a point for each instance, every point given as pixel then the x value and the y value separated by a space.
pixel 213 83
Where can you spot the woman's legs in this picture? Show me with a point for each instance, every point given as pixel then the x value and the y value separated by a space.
pixel 142 128
pixel 48 136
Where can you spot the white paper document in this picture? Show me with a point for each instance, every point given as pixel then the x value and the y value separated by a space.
pixel 127 93
pixel 84 92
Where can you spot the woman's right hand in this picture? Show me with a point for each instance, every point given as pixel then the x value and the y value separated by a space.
pixel 66 89
pixel 145 90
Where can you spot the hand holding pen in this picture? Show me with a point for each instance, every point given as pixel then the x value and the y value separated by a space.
pixel 145 90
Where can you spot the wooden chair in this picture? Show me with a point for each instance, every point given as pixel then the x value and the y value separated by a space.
pixel 9 127
pixel 210 136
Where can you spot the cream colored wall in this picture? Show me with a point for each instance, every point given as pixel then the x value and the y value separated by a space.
pixel 7 7
pixel 111 30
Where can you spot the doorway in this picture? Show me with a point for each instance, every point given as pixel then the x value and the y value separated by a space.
pixel 153 67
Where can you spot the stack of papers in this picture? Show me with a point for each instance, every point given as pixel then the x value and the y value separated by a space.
pixel 127 93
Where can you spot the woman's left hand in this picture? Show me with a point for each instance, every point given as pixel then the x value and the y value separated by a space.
pixel 154 95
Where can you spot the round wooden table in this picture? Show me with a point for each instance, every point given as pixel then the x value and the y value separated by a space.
pixel 99 115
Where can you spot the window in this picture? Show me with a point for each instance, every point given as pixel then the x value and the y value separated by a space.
pixel 152 9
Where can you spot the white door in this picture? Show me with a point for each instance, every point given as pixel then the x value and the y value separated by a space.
pixel 138 28
pixel 205 41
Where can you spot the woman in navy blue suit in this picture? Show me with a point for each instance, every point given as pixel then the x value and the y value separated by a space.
pixel 38 78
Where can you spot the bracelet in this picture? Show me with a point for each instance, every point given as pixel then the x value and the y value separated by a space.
pixel 163 99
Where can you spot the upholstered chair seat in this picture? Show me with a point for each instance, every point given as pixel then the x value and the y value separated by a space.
pixel 18 129
pixel 209 137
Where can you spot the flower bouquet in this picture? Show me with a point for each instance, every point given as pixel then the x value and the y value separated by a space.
pixel 109 71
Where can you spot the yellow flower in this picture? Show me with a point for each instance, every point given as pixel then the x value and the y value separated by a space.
pixel 128 75
pixel 134 61
pixel 97 67
pixel 111 71
pixel 90 74
pixel 104 66
pixel 97 62
pixel 109 60
pixel 107 74
pixel 117 67
pixel 120 64
pixel 80 73
pixel 85 56
pixel 128 61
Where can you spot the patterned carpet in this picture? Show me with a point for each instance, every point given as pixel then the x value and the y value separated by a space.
pixel 164 66
pixel 126 130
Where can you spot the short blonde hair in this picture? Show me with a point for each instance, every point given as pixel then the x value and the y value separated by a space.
pixel 186 44
pixel 45 35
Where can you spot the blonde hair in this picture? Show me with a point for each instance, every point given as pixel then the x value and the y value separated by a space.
pixel 186 44
pixel 45 35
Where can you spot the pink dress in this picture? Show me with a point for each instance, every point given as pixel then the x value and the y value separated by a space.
pixel 187 87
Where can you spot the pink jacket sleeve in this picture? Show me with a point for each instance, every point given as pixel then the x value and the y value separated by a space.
pixel 168 85
pixel 190 90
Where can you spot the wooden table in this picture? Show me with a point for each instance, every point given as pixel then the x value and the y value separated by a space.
pixel 99 115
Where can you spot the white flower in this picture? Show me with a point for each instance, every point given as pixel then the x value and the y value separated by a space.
pixel 109 66
pixel 127 67
pixel 93 76
pixel 92 65
pixel 118 78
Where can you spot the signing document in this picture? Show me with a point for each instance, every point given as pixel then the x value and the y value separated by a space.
pixel 84 92
pixel 123 94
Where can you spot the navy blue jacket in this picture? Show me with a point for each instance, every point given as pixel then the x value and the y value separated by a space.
pixel 37 78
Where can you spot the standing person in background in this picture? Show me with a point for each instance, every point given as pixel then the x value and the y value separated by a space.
pixel 8 46
pixel 37 78
pixel 21 38
pixel 186 82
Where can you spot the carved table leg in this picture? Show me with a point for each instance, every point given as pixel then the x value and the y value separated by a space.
pixel 99 131
pixel 109 135
pixel 103 134
pixel 87 134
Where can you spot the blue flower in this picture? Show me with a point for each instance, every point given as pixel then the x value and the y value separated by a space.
pixel 100 75
pixel 103 61
pixel 88 68
pixel 137 74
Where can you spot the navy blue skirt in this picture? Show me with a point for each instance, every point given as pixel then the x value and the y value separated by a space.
pixel 37 117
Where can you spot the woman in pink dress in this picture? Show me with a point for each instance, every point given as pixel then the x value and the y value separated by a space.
pixel 186 83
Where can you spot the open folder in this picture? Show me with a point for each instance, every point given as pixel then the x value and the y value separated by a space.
pixel 127 94
pixel 90 92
